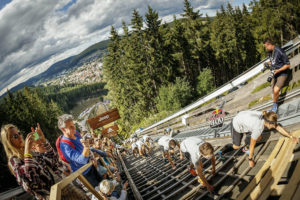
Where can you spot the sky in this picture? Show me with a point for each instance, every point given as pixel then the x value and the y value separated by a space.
pixel 34 34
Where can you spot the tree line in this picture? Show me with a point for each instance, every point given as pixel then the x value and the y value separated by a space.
pixel 26 107
pixel 157 67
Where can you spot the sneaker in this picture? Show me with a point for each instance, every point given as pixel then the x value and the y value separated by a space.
pixel 246 150
pixel 220 155
pixel 200 181
pixel 274 108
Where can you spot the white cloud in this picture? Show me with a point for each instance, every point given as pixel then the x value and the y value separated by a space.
pixel 34 34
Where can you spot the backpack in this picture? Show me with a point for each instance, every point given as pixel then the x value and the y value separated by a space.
pixel 59 140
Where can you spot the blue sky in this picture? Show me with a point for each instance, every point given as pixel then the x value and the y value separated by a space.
pixel 37 33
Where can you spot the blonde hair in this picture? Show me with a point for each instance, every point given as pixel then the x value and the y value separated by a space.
pixel 10 150
pixel 206 149
pixel 270 116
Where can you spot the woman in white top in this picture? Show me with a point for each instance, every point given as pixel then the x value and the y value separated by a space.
pixel 168 145
pixel 253 123
pixel 194 149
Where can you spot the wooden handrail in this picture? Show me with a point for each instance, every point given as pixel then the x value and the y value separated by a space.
pixel 55 193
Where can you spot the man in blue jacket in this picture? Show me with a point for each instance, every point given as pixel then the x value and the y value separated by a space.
pixel 76 151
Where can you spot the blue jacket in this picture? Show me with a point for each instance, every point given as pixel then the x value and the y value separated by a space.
pixel 74 156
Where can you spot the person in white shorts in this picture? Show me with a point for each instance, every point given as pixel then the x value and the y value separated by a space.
pixel 194 149
pixel 253 123
pixel 168 146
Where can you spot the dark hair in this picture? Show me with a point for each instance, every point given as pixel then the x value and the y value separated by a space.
pixel 206 149
pixel 268 40
pixel 172 142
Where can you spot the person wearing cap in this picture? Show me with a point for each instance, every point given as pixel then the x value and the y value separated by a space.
pixel 194 149
pixel 168 146
pixel 253 123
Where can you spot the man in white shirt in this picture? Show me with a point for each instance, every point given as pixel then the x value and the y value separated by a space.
pixel 168 146
pixel 194 149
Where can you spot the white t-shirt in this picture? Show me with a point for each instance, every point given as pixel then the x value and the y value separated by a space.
pixel 133 146
pixel 164 141
pixel 191 145
pixel 139 144
pixel 249 121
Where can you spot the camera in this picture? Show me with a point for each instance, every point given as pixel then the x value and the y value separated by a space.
pixel 266 66
pixel 87 136
pixel 271 75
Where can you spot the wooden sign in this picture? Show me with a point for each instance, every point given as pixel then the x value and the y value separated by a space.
pixel 104 118
pixel 110 131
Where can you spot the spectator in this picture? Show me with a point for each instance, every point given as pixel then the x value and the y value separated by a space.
pixel 107 187
pixel 80 154
pixel 35 164
pixel 281 64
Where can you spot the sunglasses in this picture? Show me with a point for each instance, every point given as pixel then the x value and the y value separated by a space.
pixel 16 136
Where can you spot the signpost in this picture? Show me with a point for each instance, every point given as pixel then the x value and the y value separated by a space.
pixel 104 118
pixel 110 131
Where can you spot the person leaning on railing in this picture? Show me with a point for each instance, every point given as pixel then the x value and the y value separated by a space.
pixel 77 154
pixel 34 163
pixel 96 149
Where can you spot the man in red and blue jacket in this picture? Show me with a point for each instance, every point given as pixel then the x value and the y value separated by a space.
pixel 75 150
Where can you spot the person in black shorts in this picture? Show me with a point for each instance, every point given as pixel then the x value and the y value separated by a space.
pixel 281 64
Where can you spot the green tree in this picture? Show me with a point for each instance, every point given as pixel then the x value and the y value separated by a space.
pixel 174 96
pixel 205 82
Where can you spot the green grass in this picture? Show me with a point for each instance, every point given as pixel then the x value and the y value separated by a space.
pixel 260 87
pixel 260 100
pixel 290 87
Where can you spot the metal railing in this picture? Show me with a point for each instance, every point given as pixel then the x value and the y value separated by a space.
pixel 256 69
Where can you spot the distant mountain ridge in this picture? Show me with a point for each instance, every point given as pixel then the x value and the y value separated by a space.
pixel 91 53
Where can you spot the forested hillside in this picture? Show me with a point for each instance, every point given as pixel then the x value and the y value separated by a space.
pixel 43 105
pixel 154 71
